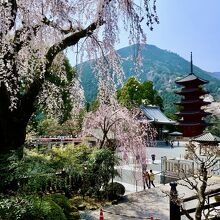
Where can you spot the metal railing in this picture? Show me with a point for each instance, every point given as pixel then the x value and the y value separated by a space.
pixel 175 210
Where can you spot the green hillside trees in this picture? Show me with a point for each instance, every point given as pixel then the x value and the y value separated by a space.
pixel 135 93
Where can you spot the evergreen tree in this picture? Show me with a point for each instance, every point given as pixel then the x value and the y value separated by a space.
pixel 135 93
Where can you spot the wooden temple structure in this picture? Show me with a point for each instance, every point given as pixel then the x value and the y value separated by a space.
pixel 157 118
pixel 207 141
pixel 192 121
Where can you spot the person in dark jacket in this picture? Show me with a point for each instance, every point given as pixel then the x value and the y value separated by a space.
pixel 146 177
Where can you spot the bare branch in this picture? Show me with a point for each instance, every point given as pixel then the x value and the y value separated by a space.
pixel 191 185
pixel 212 162
pixel 184 211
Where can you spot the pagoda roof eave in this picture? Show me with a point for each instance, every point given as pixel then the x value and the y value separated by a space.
pixel 191 78
pixel 190 91
pixel 193 113
pixel 182 123
pixel 182 102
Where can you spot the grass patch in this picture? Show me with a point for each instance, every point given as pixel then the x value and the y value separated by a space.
pixel 87 202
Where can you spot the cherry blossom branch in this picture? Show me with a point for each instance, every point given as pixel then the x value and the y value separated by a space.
pixel 71 41
pixel 212 161
pixel 26 41
pixel 28 100
pixel 11 5
pixel 97 42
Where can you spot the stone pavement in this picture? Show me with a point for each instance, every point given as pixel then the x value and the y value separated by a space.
pixel 141 205
pixel 131 173
pixel 153 202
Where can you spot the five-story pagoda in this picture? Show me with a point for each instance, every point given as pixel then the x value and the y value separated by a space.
pixel 191 122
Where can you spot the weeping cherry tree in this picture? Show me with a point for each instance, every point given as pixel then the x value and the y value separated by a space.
pixel 34 36
pixel 130 130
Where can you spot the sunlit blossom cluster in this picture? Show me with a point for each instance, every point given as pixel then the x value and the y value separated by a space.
pixel 34 32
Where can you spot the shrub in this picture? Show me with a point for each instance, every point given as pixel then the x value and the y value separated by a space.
pixel 49 210
pixel 70 212
pixel 63 202
pixel 75 215
pixel 13 208
pixel 114 190
pixel 30 207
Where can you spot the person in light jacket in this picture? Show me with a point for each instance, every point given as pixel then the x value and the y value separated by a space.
pixel 152 178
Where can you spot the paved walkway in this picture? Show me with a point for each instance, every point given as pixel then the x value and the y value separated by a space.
pixel 140 205
pixel 153 202
pixel 131 176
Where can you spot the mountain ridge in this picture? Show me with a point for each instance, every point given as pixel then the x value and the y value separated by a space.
pixel 162 67
pixel 215 74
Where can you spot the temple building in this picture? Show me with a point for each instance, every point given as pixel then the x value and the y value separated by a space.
pixel 157 118
pixel 192 121
pixel 205 141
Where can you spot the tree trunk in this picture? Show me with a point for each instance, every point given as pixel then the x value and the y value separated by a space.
pixel 201 193
pixel 12 132
pixel 12 137
pixel 103 139
pixel 13 122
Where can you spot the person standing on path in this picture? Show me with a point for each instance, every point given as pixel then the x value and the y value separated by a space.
pixel 152 178
pixel 146 176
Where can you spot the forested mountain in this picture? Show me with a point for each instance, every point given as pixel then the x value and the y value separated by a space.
pixel 160 66
pixel 215 74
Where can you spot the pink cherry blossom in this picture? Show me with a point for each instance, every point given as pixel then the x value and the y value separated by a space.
pixel 130 129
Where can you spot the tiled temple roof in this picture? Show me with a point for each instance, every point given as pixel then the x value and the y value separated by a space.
pixel 154 114
pixel 189 78
pixel 206 137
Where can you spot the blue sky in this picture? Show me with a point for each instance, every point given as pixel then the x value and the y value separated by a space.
pixel 188 25
pixel 185 26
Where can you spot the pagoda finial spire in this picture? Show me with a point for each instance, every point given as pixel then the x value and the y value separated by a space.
pixel 191 64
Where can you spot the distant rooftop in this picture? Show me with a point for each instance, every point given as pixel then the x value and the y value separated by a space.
pixel 206 137
pixel 154 114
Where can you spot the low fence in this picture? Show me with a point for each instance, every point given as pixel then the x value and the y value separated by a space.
pixel 52 183
pixel 173 169
pixel 55 141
